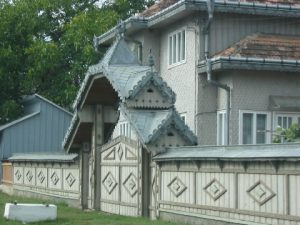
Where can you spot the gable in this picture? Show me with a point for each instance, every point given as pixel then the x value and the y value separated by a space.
pixel 150 96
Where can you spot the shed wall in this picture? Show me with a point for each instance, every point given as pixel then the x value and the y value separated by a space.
pixel 43 132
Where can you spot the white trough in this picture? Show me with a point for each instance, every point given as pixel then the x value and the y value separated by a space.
pixel 30 212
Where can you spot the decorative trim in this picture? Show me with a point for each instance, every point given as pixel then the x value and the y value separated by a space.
pixel 120 152
pixel 215 189
pixel 111 155
pixel 260 192
pixel 129 154
pixel 70 179
pixel 54 178
pixel 131 185
pixel 176 186
pixel 109 182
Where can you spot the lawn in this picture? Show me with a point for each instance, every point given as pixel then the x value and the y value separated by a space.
pixel 72 216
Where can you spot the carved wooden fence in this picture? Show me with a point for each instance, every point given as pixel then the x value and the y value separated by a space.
pixel 121 177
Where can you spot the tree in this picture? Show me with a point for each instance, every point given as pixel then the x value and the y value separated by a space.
pixel 47 45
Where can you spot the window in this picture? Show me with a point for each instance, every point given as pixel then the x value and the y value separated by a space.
pixel 221 128
pixel 124 129
pixel 177 47
pixel 286 120
pixel 254 127
pixel 183 117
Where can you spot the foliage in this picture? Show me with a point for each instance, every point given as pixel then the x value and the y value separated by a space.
pixel 126 8
pixel 68 215
pixel 287 135
pixel 47 45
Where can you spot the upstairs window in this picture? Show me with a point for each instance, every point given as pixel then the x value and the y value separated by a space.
pixel 124 129
pixel 177 47
pixel 254 127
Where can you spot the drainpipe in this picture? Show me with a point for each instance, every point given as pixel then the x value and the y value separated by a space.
pixel 210 9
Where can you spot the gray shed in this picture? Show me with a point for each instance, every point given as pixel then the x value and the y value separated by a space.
pixel 41 129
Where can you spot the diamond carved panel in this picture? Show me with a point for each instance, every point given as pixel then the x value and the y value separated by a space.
pixel 176 186
pixel 130 185
pixel 41 177
pixel 70 179
pixel 29 175
pixel 18 175
pixel 215 189
pixel 261 193
pixel 54 178
pixel 109 182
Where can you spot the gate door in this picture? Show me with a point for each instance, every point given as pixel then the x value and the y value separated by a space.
pixel 120 189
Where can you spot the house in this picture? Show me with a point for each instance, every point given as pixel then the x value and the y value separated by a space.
pixel 40 130
pixel 224 58
pixel 140 114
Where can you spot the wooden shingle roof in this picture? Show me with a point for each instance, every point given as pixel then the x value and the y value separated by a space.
pixel 265 46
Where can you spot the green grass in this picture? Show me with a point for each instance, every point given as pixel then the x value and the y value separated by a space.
pixel 72 216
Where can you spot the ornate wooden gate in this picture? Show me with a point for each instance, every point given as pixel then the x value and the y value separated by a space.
pixel 120 175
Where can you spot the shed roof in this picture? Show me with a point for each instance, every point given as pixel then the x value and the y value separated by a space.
pixel 238 152
pixel 41 157
pixel 5 126
pixel 265 46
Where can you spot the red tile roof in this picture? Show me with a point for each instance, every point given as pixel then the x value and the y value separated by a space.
pixel 163 4
pixel 265 46
pixel 157 7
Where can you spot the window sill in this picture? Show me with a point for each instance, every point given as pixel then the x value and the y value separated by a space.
pixel 176 64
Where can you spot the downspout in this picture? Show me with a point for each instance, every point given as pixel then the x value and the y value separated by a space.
pixel 210 9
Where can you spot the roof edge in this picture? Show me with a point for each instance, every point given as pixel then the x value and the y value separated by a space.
pixel 254 8
pixel 14 122
pixel 251 63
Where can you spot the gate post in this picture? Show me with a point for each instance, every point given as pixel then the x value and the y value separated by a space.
pixel 99 141
pixel 85 174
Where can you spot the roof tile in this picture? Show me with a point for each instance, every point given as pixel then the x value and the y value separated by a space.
pixel 265 46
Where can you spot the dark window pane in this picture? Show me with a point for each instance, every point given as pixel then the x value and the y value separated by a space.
pixel 261 124
pixel 247 128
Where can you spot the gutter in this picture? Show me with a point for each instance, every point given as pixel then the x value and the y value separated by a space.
pixel 210 9
pixel 250 63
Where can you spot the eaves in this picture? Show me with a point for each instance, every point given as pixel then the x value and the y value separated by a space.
pixel 245 63
pixel 185 7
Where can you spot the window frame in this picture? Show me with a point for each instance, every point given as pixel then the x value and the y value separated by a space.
pixel 124 129
pixel 221 140
pixel 183 117
pixel 170 53
pixel 254 126
pixel 295 118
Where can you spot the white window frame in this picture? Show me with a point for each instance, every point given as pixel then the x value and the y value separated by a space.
pixel 223 133
pixel 294 115
pixel 179 58
pixel 183 117
pixel 124 129
pixel 268 125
